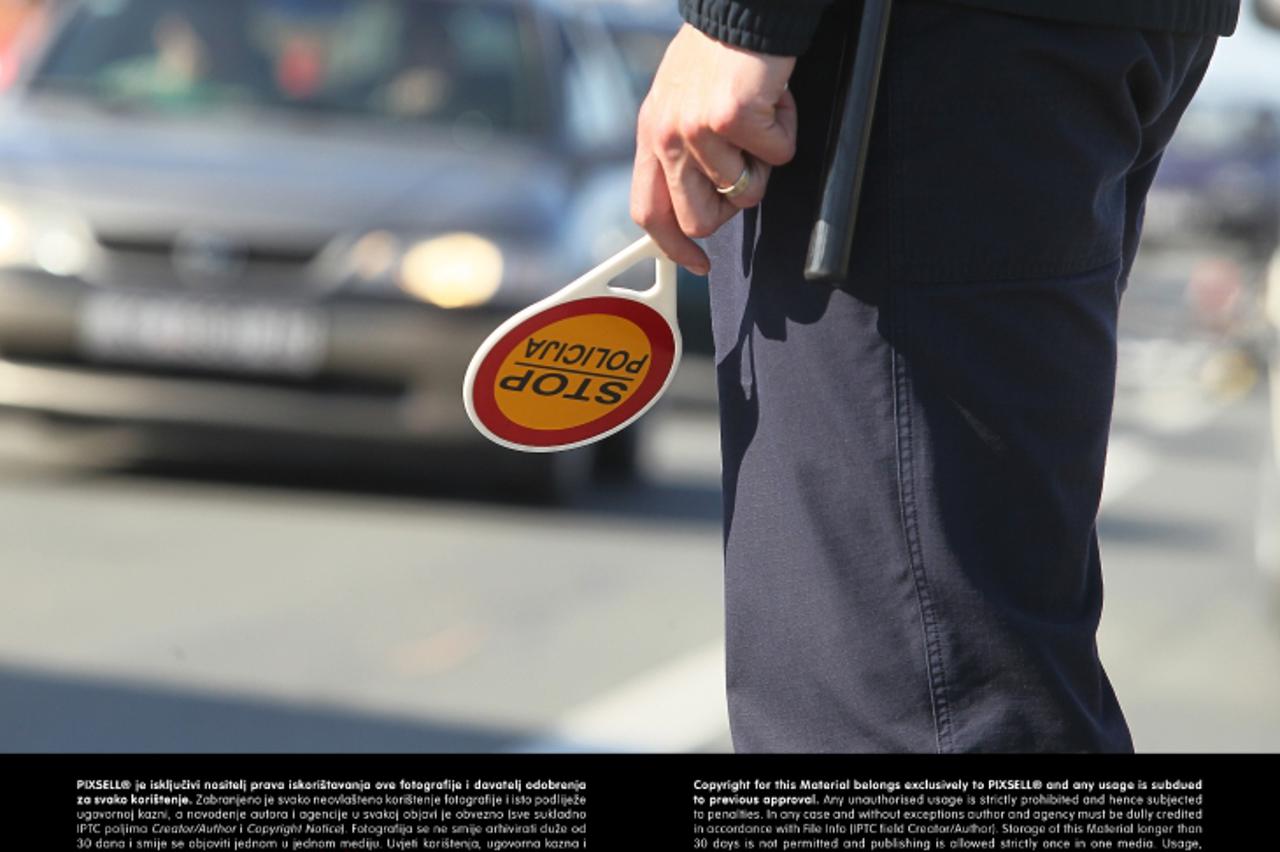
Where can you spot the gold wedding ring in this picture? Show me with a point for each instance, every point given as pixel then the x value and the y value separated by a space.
pixel 739 186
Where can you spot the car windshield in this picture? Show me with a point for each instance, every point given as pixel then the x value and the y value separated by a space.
pixel 641 49
pixel 435 61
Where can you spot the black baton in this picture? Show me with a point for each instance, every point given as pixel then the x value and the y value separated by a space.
pixel 831 240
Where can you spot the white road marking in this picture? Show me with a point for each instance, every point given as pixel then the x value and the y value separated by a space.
pixel 678 707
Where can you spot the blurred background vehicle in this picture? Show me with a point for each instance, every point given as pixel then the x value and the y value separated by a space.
pixel 1220 177
pixel 641 29
pixel 1213 224
pixel 298 218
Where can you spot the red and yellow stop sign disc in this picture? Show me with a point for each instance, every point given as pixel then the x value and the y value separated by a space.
pixel 573 373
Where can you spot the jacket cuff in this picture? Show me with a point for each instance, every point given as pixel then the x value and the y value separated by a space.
pixel 780 27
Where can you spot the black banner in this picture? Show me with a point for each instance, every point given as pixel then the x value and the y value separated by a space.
pixel 622 802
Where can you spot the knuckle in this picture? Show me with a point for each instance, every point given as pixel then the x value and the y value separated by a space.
pixel 693 131
pixel 722 121
pixel 668 136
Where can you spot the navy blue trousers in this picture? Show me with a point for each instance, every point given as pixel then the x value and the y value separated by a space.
pixel 913 460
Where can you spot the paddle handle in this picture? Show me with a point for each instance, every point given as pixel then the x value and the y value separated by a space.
pixel 661 296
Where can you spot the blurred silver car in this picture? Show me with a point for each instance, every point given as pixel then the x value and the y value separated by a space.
pixel 299 217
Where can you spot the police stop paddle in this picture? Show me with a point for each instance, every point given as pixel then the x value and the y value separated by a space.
pixel 582 363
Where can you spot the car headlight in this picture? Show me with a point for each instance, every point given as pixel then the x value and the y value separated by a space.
pixel 53 243
pixel 452 271
pixel 373 256
pixel 13 237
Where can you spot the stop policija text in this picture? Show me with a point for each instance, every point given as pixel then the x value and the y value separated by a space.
pixel 574 371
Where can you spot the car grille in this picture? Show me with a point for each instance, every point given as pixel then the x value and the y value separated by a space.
pixel 164 261
pixel 357 386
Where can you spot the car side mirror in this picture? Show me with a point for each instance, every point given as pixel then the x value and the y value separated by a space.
pixel 1268 12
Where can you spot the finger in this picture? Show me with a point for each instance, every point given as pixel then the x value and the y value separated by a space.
pixel 699 209
pixel 768 134
pixel 723 166
pixel 757 183
pixel 651 208
pixel 753 189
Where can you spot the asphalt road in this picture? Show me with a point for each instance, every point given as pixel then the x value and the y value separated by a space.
pixel 166 613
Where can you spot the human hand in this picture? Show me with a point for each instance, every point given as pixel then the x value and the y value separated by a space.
pixel 713 110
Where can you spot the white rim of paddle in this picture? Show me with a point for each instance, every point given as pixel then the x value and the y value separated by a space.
pixel 661 297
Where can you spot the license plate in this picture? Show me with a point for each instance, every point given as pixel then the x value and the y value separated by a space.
pixel 202 334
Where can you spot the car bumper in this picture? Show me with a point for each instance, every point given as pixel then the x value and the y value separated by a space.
pixel 389 371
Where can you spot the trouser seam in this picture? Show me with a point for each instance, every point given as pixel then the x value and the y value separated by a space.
pixel 934 665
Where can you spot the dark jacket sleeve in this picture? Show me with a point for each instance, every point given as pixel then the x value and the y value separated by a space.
pixel 781 27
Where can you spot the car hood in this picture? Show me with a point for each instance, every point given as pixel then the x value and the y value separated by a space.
pixel 301 178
